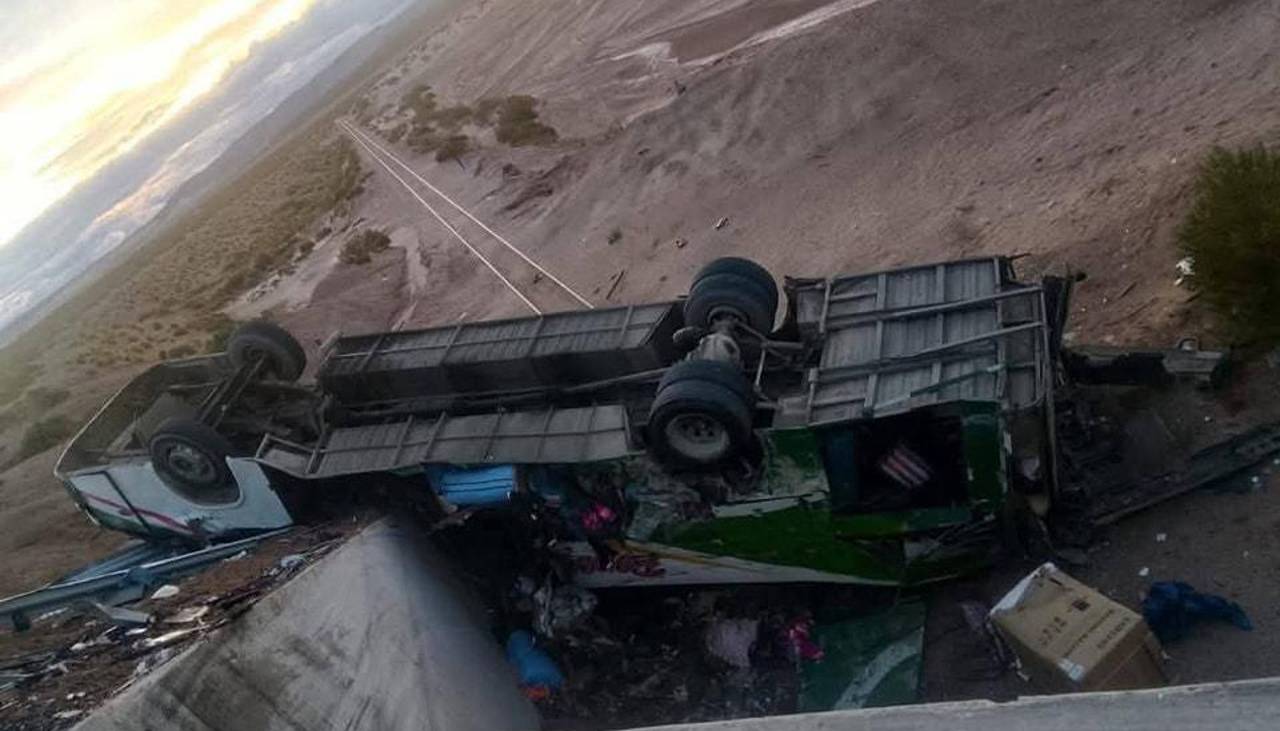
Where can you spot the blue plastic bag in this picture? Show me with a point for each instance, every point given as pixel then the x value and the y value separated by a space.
pixel 1171 607
pixel 473 486
pixel 535 667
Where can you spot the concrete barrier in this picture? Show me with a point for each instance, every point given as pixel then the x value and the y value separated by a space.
pixel 379 635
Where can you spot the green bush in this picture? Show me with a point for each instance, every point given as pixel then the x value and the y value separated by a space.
pixel 518 123
pixel 361 247
pixel 1232 236
pixel 44 434
pixel 421 101
pixel 453 148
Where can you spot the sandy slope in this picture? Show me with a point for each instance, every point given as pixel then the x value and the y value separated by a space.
pixel 846 135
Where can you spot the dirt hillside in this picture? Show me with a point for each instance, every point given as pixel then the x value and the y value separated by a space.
pixel 845 135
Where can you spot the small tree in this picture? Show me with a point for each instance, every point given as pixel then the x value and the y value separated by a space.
pixel 1232 235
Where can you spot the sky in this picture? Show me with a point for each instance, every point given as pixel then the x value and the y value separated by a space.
pixel 108 106
pixel 83 82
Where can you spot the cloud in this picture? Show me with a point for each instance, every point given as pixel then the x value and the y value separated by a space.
pixel 78 100
pixel 139 146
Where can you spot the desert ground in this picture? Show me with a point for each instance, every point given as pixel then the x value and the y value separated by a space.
pixel 833 135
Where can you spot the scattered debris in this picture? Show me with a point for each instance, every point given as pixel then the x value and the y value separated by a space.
pixel 1069 637
pixel 165 592
pixel 1172 607
pixel 869 662
pixel 291 563
pixel 562 609
pixel 152 661
pixel 731 640
pixel 168 638
pixel 616 279
pixel 187 615
pixel 1213 465
pixel 799 635
pixel 75 658
pixel 121 616
pixel 1186 267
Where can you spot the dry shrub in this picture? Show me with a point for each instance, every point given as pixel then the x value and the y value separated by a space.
pixel 361 247
pixel 1232 234
pixel 453 148
pixel 518 123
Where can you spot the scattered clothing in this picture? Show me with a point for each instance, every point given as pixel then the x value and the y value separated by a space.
pixel 1172 607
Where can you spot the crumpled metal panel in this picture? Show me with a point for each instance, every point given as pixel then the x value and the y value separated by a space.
pixel 544 436
pixel 899 339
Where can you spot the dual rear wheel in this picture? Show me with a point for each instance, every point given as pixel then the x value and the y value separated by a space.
pixel 703 411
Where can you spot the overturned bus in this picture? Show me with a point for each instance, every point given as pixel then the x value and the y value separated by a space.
pixel 884 428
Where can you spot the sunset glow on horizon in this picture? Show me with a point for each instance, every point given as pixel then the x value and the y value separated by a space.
pixel 79 87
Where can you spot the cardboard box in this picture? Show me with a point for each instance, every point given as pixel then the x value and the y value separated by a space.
pixel 1069 637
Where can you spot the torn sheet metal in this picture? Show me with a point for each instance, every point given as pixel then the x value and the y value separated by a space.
pixel 869 662
pixel 646 564
pixel 117 587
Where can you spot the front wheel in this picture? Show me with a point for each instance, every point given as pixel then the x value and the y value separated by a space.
pixel 701 415
pixel 191 457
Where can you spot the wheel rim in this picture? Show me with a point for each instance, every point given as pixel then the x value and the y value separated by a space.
pixel 726 311
pixel 190 464
pixel 697 436
pixel 253 353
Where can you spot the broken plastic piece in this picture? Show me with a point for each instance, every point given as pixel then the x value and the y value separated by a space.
pixel 292 562
pixel 731 640
pixel 189 614
pixel 121 616
pixel 167 638
pixel 166 591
